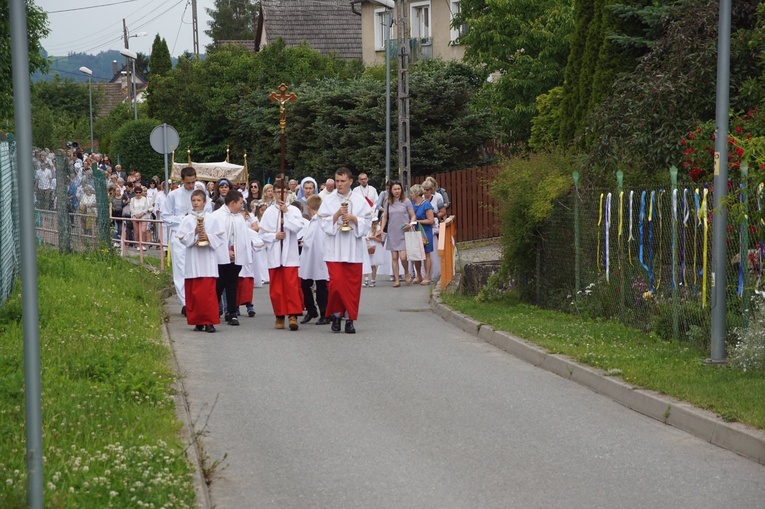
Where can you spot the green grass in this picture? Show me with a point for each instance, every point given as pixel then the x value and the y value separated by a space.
pixel 668 367
pixel 110 434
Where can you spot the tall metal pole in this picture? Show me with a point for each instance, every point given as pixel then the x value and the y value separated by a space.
pixel 195 26
pixel 90 93
pixel 720 220
pixel 386 28
pixel 404 169
pixel 135 97
pixel 30 315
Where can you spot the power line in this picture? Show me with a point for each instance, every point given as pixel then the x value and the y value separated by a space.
pixel 180 26
pixel 90 7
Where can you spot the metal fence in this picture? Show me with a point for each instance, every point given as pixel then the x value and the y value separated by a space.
pixel 10 250
pixel 642 256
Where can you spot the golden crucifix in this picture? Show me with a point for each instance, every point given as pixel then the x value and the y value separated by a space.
pixel 282 98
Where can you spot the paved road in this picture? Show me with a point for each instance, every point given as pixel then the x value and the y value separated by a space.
pixel 413 413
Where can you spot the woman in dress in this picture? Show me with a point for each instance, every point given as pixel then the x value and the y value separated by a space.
pixel 253 195
pixel 139 209
pixel 423 212
pixel 398 215
pixel 268 194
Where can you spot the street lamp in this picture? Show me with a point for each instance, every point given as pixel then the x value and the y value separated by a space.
pixel 89 73
pixel 132 55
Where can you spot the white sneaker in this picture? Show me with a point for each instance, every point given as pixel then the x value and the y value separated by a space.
pixel 145 248
pixel 116 244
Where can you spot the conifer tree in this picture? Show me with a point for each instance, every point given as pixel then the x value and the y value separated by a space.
pixel 160 62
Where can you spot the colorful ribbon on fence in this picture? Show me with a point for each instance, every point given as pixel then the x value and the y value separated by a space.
pixel 657 275
pixel 641 220
pixel 651 203
pixel 672 281
pixel 695 236
pixel 686 215
pixel 631 237
pixel 607 236
pixel 705 219
pixel 600 222
pixel 743 250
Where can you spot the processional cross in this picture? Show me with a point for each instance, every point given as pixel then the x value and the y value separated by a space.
pixel 282 98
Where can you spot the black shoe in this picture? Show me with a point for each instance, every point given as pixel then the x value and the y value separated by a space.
pixel 220 311
pixel 307 318
pixel 233 321
pixel 183 310
pixel 209 328
pixel 349 328
pixel 323 321
pixel 335 323
pixel 199 328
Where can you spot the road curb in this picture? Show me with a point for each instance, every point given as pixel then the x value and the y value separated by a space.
pixel 736 437
pixel 182 410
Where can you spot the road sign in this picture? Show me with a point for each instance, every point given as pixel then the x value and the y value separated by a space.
pixel 164 139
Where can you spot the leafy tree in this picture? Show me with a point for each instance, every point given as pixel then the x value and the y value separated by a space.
pixel 63 96
pixel 131 143
pixel 105 127
pixel 61 112
pixel 672 90
pixel 160 62
pixel 37 29
pixel 527 42
pixel 232 20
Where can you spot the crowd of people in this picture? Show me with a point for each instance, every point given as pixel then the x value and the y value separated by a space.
pixel 315 246
pixel 226 238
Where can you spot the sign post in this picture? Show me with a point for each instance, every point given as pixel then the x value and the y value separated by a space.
pixel 164 139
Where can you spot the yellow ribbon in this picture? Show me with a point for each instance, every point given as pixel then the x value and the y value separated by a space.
pixel 695 242
pixel 705 218
pixel 600 220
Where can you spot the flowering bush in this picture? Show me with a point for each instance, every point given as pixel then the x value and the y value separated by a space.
pixel 746 133
pixel 748 354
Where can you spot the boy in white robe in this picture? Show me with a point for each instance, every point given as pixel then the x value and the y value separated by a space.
pixel 279 229
pixel 197 233
pixel 233 253
pixel 313 268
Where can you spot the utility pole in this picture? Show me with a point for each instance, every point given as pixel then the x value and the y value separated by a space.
pixel 127 60
pixel 195 26
pixel 402 33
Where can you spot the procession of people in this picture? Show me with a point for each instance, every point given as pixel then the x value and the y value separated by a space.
pixel 314 247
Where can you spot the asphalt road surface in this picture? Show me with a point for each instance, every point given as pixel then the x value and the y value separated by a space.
pixel 411 412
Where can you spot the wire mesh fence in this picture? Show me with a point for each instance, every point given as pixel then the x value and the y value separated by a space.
pixel 71 207
pixel 643 256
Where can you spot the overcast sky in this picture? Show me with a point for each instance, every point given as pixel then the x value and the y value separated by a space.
pixel 92 26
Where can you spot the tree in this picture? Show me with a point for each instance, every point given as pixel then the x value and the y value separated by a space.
pixel 131 143
pixel 232 20
pixel 37 29
pixel 641 123
pixel 527 42
pixel 160 62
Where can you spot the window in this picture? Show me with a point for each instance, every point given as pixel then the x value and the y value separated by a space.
pixel 382 29
pixel 456 32
pixel 420 20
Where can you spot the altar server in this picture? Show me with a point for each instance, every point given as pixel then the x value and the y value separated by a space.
pixel 345 218
pixel 283 258
pixel 313 268
pixel 200 235
pixel 233 253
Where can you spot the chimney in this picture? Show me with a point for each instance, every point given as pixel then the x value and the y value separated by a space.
pixel 114 67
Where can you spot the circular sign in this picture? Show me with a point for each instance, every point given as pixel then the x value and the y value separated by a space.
pixel 164 139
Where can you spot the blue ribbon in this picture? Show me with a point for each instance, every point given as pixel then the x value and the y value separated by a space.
pixel 650 241
pixel 640 230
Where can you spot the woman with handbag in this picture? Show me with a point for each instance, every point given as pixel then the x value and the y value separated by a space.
pixel 398 215
pixel 425 217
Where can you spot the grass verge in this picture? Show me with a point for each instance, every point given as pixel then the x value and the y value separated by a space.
pixel 670 368
pixel 110 433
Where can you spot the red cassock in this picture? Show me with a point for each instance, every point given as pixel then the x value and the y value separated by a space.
pixel 244 288
pixel 285 291
pixel 201 301
pixel 344 288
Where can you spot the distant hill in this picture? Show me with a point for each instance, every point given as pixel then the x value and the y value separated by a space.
pixel 69 66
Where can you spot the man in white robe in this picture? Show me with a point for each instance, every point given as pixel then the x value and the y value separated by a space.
pixel 345 218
